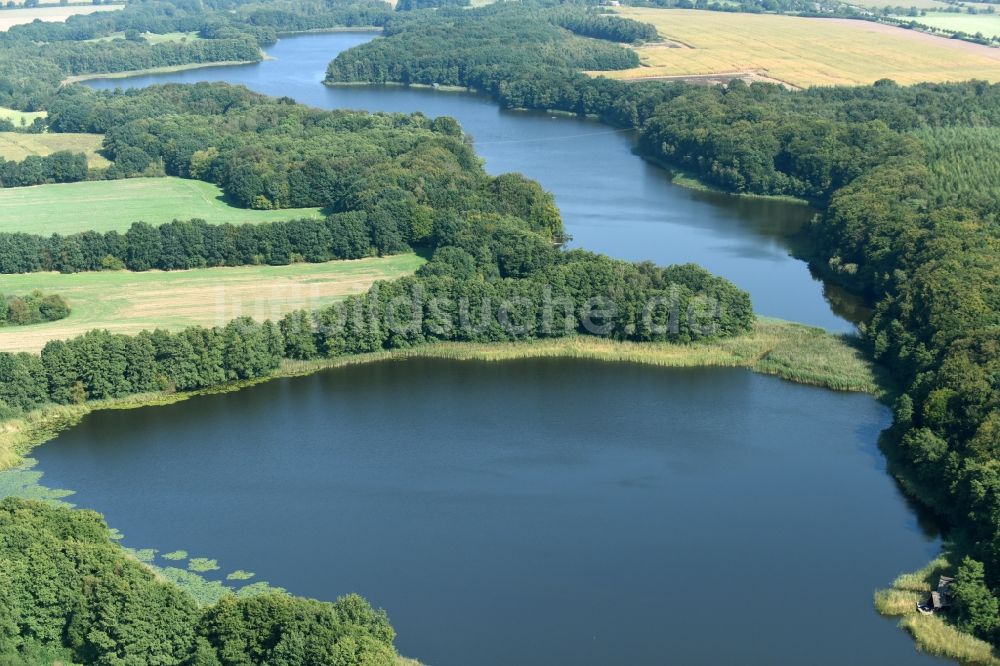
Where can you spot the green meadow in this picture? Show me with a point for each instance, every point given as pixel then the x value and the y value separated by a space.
pixel 987 24
pixel 115 204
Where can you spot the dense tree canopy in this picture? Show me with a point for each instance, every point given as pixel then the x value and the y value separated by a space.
pixel 71 594
pixel 473 47
pixel 59 167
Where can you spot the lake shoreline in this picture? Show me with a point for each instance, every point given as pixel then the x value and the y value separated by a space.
pixel 158 70
pixel 791 351
pixel 678 176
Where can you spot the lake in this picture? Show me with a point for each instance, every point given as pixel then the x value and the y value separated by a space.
pixel 548 511
pixel 611 201
pixel 531 512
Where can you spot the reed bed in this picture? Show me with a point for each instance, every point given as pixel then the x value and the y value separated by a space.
pixel 792 351
pixel 932 633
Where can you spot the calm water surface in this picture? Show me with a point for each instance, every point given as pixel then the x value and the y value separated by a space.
pixel 542 512
pixel 611 201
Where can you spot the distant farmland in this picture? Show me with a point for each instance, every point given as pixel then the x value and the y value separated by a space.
pixel 11 17
pixel 802 51
pixel 116 204
pixel 126 302
pixel 18 145
pixel 988 24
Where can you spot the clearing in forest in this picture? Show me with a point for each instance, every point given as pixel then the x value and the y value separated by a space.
pixel 20 118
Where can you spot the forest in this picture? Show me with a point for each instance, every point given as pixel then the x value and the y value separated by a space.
pixel 33 308
pixel 449 299
pixel 72 595
pixel 398 182
pixel 906 183
pixel 880 161
pixel 477 51
pixel 604 26
pixel 393 183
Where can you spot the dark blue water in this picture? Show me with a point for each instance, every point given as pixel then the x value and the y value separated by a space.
pixel 612 201
pixel 532 512
pixel 540 512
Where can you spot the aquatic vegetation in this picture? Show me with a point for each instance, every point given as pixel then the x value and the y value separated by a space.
pixel 201 564
pixel 240 574
pixel 176 555
pixel 23 481
pixel 260 587
pixel 204 591
pixel 146 555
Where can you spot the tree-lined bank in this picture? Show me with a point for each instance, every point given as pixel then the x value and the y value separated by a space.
pixel 925 253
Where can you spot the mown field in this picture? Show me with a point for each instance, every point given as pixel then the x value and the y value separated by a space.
pixel 116 204
pixel 126 302
pixel 11 17
pixel 18 145
pixel 803 51
pixel 988 24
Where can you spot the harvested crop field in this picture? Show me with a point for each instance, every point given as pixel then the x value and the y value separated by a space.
pixel 11 17
pixel 802 51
